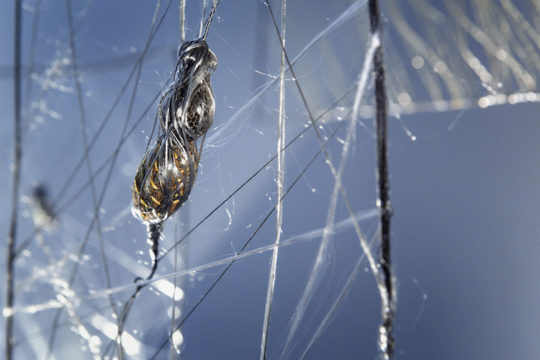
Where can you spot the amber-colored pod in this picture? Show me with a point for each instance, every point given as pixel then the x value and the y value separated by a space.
pixel 163 181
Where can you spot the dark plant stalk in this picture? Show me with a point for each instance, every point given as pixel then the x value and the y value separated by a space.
pixel 10 262
pixel 386 340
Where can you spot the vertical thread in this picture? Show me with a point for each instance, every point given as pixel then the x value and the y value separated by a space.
pixel 386 340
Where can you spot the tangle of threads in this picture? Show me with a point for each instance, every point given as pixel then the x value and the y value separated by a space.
pixel 186 109
pixel 189 101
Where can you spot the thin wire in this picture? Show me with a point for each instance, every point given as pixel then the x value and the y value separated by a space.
pixel 203 14
pixel 17 154
pixel 124 129
pixel 335 306
pixel 182 19
pixel 82 118
pixel 82 114
pixel 210 18
pixel 280 185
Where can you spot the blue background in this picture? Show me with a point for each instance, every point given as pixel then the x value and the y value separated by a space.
pixel 464 191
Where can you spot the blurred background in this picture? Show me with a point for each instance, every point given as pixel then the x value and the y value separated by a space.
pixel 463 151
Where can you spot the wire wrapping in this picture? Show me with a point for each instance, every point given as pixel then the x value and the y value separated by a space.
pixel 167 172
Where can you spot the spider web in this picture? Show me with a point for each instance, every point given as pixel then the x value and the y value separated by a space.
pixel 91 91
